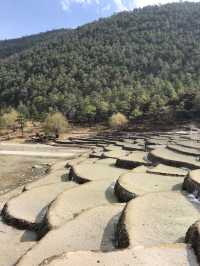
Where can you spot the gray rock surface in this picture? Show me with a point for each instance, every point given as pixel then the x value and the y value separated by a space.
pixel 92 230
pixel 177 254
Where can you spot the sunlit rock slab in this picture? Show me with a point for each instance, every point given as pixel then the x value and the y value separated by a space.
pixel 134 159
pixel 28 210
pixel 56 174
pixel 85 172
pixel 133 147
pixel 140 169
pixel 14 243
pixel 189 144
pixel 109 161
pixel 172 158
pixel 157 141
pixel 157 218
pixel 115 154
pixel 112 148
pixel 131 185
pixel 92 230
pixel 183 150
pixel 71 203
pixel 163 169
pixel 166 255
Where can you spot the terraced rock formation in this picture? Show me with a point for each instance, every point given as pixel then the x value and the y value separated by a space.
pixel 55 176
pixel 92 230
pixel 133 160
pixel 133 147
pixel 156 218
pixel 132 185
pixel 189 144
pixel 86 172
pixel 71 203
pixel 114 154
pixel 183 150
pixel 172 158
pixel 162 169
pixel 28 210
pixel 192 183
pixel 74 215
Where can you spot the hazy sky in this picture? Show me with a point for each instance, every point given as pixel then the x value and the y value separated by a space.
pixel 25 17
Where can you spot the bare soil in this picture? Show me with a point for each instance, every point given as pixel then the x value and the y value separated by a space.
pixel 31 129
pixel 18 170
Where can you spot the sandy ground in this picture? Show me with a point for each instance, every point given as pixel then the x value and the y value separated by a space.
pixel 38 150
pixel 17 162
pixel 17 170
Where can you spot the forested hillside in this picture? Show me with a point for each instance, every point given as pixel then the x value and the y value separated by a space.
pixel 11 47
pixel 140 63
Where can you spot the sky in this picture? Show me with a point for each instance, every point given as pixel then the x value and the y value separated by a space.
pixel 25 17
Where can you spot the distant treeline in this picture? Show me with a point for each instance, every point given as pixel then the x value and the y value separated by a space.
pixel 144 63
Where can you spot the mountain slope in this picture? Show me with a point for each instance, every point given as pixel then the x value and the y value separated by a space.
pixel 144 62
pixel 14 46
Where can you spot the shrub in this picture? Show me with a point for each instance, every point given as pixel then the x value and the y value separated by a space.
pixel 55 123
pixel 9 119
pixel 118 120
